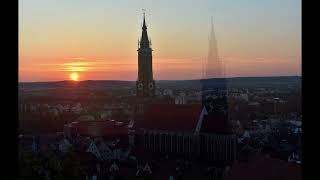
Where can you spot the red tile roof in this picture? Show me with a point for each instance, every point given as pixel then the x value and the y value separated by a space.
pixel 214 124
pixel 261 167
pixel 99 128
pixel 171 117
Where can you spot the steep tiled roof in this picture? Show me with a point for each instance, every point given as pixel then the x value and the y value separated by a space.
pixel 100 128
pixel 171 117
pixel 181 118
pixel 214 124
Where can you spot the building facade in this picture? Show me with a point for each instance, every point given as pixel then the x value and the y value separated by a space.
pixel 190 130
pixel 184 130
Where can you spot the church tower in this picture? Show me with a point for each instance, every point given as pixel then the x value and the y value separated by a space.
pixel 145 84
pixel 214 83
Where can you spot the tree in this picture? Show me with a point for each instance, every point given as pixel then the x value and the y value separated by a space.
pixel 71 167
pixel 29 164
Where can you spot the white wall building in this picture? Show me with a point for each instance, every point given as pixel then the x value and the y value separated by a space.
pixel 168 92
pixel 181 99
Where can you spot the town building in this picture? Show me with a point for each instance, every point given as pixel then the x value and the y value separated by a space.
pixel 190 130
pixel 263 167
pixel 185 130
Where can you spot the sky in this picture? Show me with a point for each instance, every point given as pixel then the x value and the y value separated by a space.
pixel 98 39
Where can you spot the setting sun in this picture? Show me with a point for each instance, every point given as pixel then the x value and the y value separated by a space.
pixel 74 76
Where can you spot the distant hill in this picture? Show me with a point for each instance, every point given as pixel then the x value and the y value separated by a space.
pixel 239 82
pixel 90 84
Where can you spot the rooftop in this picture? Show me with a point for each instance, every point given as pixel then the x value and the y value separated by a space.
pixel 263 167
pixel 99 128
pixel 171 117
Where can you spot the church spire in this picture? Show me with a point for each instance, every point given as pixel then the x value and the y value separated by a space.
pixel 214 67
pixel 145 83
pixel 144 26
pixel 144 42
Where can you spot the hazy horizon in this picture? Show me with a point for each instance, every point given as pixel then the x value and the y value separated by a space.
pixel 155 79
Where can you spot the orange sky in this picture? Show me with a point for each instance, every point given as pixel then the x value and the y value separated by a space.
pixel 92 38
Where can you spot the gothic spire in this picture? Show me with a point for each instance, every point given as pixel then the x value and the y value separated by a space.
pixel 214 68
pixel 144 42
pixel 144 26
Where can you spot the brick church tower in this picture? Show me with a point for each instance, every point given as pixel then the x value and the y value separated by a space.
pixel 145 84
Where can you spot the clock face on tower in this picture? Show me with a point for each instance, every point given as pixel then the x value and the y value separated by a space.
pixel 140 86
pixel 151 86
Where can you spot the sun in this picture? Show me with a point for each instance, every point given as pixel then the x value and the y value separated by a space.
pixel 74 76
